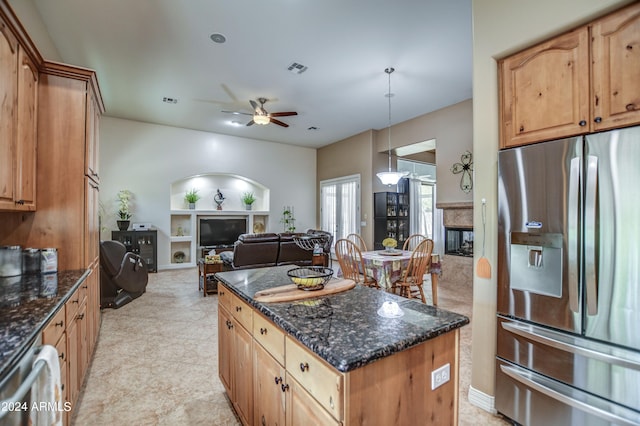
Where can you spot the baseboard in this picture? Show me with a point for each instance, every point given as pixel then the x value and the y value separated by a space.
pixel 482 400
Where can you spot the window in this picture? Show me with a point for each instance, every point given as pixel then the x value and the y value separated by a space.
pixel 340 206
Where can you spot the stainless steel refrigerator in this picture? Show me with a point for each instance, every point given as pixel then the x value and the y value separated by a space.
pixel 568 338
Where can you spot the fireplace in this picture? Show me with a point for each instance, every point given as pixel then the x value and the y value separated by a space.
pixel 458 241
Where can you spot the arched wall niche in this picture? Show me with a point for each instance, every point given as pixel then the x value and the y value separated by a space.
pixel 230 185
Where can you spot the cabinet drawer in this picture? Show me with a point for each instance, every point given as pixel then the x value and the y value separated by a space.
pixel 55 328
pixel 319 379
pixel 74 302
pixel 269 336
pixel 242 312
pixel 224 297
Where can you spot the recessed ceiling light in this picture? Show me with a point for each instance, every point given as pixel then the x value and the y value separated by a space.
pixel 218 38
pixel 297 68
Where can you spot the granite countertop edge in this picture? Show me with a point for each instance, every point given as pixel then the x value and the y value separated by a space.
pixel 363 357
pixel 25 338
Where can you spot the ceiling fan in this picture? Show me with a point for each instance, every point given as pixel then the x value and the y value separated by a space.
pixel 262 116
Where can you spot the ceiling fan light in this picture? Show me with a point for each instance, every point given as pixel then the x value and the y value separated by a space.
pixel 261 119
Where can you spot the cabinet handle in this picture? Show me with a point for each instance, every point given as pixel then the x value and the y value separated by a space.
pixel 263 421
pixel 75 301
pixel 238 308
pixel 278 380
pixel 61 356
pixel 85 286
pixel 21 202
pixel 59 324
pixel 598 119
pixel 81 316
pixel 263 330
pixel 221 293
pixel 304 366
pixel 284 387
pixel 582 123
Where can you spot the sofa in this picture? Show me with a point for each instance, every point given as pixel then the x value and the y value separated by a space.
pixel 269 249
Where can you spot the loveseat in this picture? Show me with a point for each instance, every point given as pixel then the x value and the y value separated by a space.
pixel 269 249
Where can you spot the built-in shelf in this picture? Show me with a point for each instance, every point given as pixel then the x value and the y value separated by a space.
pixel 184 222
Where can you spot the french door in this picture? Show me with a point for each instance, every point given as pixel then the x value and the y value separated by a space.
pixel 340 206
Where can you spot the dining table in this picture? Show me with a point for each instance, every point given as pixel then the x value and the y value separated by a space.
pixel 387 267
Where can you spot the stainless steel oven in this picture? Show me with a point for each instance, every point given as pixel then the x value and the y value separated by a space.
pixel 15 387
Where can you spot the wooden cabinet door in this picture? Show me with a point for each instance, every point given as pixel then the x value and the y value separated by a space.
pixel 268 394
pixel 243 373
pixel 92 226
pixel 616 69
pixel 302 409
pixel 545 91
pixel 72 362
pixel 225 348
pixel 26 133
pixel 92 139
pixel 8 96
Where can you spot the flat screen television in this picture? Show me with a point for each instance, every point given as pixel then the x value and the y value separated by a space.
pixel 220 231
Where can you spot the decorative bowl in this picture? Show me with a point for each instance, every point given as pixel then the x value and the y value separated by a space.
pixel 310 277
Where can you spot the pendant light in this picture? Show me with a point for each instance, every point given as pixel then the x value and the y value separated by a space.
pixel 389 177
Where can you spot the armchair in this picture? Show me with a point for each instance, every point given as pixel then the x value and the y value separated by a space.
pixel 123 275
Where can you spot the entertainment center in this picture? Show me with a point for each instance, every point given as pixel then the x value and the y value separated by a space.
pixel 212 224
pixel 194 229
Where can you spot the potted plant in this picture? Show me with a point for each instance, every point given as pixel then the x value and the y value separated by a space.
pixel 248 199
pixel 288 220
pixel 124 209
pixel 191 197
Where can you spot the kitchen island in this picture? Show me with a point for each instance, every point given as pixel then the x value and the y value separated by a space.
pixel 333 359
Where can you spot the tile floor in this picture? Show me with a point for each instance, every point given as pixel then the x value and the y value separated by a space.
pixel 156 359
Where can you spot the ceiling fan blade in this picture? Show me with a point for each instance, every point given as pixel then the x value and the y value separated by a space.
pixel 251 123
pixel 255 106
pixel 237 112
pixel 279 123
pixel 283 114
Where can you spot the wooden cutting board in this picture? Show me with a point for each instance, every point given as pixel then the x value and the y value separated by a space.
pixel 290 292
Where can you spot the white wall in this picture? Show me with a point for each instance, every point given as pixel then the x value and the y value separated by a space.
pixel 147 158
pixel 501 27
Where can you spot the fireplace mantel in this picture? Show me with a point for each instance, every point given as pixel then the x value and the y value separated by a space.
pixel 457 215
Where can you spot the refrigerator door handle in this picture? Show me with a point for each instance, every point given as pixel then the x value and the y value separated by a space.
pixel 590 223
pixel 568 395
pixel 621 358
pixel 573 222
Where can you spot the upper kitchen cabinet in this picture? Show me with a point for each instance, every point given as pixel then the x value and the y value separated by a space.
pixel 583 81
pixel 616 69
pixel 18 123
pixel 545 90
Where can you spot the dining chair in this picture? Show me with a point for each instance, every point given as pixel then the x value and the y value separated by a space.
pixel 410 285
pixel 358 241
pixel 412 242
pixel 351 263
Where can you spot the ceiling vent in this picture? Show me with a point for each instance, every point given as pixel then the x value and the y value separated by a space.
pixel 170 100
pixel 297 68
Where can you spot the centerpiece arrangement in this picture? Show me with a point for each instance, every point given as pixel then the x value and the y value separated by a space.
pixel 389 244
pixel 124 209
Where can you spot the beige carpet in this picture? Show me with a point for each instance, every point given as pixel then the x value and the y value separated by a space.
pixel 156 359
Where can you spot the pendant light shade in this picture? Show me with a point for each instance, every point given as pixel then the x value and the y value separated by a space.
pixel 389 177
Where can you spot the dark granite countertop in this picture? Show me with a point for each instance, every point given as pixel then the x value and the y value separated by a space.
pixel 27 303
pixel 344 329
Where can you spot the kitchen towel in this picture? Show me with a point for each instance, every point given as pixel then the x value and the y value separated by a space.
pixel 46 393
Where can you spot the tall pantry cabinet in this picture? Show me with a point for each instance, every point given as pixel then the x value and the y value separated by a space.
pixel 70 106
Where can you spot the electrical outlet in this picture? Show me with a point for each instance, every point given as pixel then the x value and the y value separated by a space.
pixel 440 376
